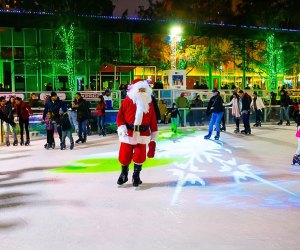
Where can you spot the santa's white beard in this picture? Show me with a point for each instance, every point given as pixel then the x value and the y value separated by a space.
pixel 142 106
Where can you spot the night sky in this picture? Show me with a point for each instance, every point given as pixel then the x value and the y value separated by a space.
pixel 131 5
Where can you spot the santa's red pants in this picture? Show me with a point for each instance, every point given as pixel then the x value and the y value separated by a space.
pixel 128 152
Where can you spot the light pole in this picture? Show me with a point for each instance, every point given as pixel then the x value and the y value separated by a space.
pixel 175 37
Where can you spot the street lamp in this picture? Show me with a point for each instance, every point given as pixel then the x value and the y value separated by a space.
pixel 175 36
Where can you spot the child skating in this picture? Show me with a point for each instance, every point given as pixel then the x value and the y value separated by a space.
pixel 174 118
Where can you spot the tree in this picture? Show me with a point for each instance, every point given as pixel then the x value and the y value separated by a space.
pixel 67 37
pixel 275 13
pixel 89 7
pixel 192 10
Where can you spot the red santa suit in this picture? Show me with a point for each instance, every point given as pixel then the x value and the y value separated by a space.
pixel 136 126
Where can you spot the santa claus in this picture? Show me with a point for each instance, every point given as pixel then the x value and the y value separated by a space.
pixel 137 128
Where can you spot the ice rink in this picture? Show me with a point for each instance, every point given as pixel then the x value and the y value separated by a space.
pixel 239 193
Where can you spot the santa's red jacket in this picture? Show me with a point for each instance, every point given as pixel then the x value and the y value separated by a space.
pixel 126 118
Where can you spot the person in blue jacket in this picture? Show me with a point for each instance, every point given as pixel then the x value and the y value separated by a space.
pixel 53 105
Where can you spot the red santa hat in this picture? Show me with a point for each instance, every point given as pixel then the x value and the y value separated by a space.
pixel 139 83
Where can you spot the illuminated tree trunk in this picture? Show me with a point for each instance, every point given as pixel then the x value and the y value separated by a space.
pixel 66 36
pixel 274 61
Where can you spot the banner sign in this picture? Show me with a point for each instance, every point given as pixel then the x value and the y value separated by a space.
pixel 62 96
pixel 8 95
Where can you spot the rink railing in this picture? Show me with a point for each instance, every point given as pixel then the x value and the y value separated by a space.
pixel 191 117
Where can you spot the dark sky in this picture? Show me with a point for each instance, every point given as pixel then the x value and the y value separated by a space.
pixel 131 5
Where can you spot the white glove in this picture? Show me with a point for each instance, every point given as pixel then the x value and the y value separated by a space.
pixel 122 130
pixel 154 136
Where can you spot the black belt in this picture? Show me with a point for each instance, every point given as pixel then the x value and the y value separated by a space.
pixel 137 128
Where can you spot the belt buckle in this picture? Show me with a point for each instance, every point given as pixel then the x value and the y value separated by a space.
pixel 136 128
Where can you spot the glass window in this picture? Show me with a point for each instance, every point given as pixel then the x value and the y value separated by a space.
pixel 30 53
pixel 46 68
pixel 31 83
pixel 31 67
pixel 80 68
pixel 18 39
pixel 6 53
pixel 20 83
pixel 30 37
pixel 125 56
pixel 19 67
pixel 18 53
pixel 6 37
pixel 46 37
pixel 125 40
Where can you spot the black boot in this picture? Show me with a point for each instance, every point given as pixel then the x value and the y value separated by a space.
pixel 15 143
pixel 280 122
pixel 123 178
pixel 22 142
pixel 62 146
pixel 223 128
pixel 206 137
pixel 79 140
pixel 237 130
pixel 217 137
pixel 288 123
pixel 72 146
pixel 27 142
pixel 136 181
pixel 7 143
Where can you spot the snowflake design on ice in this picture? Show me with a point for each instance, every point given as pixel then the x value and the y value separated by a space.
pixel 210 152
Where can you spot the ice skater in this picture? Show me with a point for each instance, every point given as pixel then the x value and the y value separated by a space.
pixel 174 118
pixel 216 109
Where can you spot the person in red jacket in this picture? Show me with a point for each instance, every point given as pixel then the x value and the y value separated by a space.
pixel 137 128
pixel 23 112
pixel 101 115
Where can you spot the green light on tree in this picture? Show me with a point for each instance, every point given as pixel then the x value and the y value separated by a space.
pixel 67 38
pixel 274 60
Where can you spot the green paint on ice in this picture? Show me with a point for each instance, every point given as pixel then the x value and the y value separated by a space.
pixel 97 165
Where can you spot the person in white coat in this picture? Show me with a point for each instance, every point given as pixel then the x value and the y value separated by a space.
pixel 236 110
pixel 257 104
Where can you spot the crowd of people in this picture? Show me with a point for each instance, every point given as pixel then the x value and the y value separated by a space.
pixel 57 115
pixel 56 112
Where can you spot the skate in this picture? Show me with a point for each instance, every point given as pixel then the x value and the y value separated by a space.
pixel 280 122
pixel 53 145
pixel 206 137
pixel 79 140
pixel 123 178
pixel 217 137
pixel 15 143
pixel 72 146
pixel 46 146
pixel 62 146
pixel 288 123
pixel 22 142
pixel 7 143
pixel 246 132
pixel 296 160
pixel 27 143
pixel 223 129
pixel 237 130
